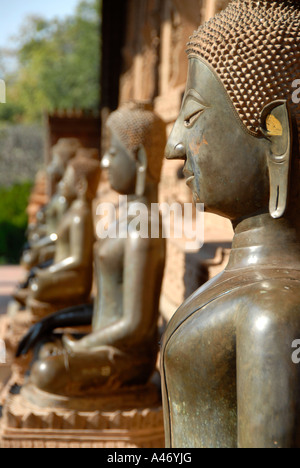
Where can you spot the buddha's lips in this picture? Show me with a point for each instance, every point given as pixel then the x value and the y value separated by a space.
pixel 189 176
pixel 190 180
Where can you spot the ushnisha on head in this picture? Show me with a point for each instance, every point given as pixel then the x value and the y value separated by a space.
pixel 66 148
pixel 89 153
pixel 254 48
pixel 137 140
pixel 251 50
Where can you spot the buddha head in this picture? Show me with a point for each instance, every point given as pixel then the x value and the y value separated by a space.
pixel 238 128
pixel 82 177
pixel 64 150
pixel 137 139
pixel 89 153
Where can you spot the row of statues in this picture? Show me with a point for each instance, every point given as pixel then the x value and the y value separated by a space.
pixel 228 379
pixel 121 350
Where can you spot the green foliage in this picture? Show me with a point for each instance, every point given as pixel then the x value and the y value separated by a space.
pixel 58 65
pixel 13 221
pixel 11 112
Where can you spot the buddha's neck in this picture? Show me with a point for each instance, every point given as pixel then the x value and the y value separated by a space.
pixel 263 242
pixel 150 196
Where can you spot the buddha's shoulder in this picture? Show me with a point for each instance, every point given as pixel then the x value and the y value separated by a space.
pixel 259 285
pixel 273 291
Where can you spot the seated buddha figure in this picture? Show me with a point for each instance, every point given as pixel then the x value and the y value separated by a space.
pixel 227 371
pixel 42 251
pixel 69 278
pixel 121 351
pixel 64 150
pixel 49 216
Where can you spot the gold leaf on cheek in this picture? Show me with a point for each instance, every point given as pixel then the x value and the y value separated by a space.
pixel 274 127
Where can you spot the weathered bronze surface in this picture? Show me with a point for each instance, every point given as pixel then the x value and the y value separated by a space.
pixel 70 276
pixel 42 246
pixel 122 349
pixel 64 150
pixel 227 371
pixel 40 243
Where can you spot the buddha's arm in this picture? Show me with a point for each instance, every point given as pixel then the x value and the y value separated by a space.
pixel 46 254
pixel 40 252
pixel 43 227
pixel 41 230
pixel 80 230
pixel 268 380
pixel 44 242
pixel 140 267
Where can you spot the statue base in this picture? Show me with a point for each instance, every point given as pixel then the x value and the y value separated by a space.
pixel 125 399
pixel 13 327
pixel 26 425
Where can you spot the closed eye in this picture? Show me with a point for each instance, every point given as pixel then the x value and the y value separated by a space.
pixel 189 122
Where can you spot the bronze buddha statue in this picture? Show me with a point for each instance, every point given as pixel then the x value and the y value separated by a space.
pixel 61 202
pixel 69 279
pixel 39 235
pixel 42 249
pixel 227 372
pixel 121 352
pixel 62 152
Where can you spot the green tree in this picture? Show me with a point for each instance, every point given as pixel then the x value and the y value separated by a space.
pixel 13 221
pixel 59 64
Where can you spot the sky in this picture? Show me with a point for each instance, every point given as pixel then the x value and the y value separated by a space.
pixel 13 13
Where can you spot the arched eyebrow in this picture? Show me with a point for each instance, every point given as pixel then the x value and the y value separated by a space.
pixel 196 96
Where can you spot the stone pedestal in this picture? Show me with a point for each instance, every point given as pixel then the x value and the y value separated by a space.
pixel 137 423
pixel 12 329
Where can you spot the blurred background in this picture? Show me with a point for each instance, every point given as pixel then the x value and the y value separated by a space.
pixel 67 65
pixel 50 61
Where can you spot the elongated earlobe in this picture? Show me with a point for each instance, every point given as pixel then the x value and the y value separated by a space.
pixel 277 128
pixel 142 165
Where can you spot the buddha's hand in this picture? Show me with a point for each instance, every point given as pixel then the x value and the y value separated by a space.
pixel 43 273
pixel 51 349
pixel 36 282
pixel 70 344
pixel 33 284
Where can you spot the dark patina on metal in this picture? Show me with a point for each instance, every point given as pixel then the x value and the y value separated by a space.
pixel 227 371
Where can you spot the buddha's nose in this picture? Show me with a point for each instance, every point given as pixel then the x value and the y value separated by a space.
pixel 175 149
pixel 175 152
pixel 105 161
